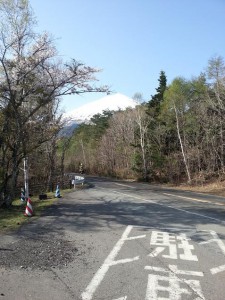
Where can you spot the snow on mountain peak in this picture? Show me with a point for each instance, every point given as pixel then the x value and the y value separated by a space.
pixel 110 102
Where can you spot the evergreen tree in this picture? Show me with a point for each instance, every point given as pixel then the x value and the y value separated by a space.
pixel 156 100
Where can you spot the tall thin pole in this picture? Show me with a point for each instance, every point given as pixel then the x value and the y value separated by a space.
pixel 84 156
pixel 181 144
pixel 26 186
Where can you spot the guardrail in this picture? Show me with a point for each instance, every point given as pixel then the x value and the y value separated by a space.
pixel 78 180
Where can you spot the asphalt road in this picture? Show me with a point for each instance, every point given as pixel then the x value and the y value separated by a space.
pixel 134 241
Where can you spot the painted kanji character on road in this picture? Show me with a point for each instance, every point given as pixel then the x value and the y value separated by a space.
pixel 171 243
pixel 169 286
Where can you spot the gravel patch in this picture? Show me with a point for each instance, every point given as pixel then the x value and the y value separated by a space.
pixel 42 252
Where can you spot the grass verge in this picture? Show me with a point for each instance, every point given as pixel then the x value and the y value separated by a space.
pixel 13 217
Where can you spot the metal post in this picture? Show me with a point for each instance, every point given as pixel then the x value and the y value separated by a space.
pixel 26 186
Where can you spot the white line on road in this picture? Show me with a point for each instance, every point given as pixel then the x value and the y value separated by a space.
pixel 157 251
pixel 136 237
pixel 220 243
pixel 194 199
pixel 191 213
pixel 217 270
pixel 124 261
pixel 215 239
pixel 135 197
pixel 122 298
pixel 174 270
pixel 109 261
pixel 132 187
pixel 175 208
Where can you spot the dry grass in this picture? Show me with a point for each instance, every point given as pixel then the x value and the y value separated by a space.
pixel 13 217
pixel 214 188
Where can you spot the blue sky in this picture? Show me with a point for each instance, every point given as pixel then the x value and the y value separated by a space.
pixel 133 40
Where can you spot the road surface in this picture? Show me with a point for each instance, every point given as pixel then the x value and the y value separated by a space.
pixel 134 241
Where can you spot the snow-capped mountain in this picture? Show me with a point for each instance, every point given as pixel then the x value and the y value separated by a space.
pixel 110 102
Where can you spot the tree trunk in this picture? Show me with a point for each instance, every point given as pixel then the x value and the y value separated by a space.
pixel 181 145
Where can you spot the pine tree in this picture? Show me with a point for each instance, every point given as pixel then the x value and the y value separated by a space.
pixel 155 101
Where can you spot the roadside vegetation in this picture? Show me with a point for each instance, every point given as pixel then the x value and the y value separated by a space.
pixel 214 187
pixel 12 217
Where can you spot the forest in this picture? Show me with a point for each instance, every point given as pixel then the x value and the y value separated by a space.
pixel 177 135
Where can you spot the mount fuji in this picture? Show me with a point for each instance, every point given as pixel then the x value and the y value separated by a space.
pixel 85 112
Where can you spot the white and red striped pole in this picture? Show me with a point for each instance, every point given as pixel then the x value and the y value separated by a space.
pixel 29 209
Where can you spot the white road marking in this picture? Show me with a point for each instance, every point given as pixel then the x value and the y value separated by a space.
pixel 174 270
pixel 191 213
pixel 195 199
pixel 216 239
pixel 124 261
pixel 196 287
pixel 172 287
pixel 221 245
pixel 186 247
pixel 157 251
pixel 109 261
pixel 165 240
pixel 132 187
pixel 122 298
pixel 132 196
pixel 185 191
pixel 175 208
pixel 176 230
pixel 171 284
pixel 217 269
pixel 136 237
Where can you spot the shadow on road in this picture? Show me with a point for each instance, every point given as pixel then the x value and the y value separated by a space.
pixel 82 216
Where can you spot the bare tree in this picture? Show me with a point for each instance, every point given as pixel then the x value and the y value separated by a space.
pixel 181 143
pixel 115 151
pixel 216 101
pixel 142 122
pixel 177 98
pixel 32 81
